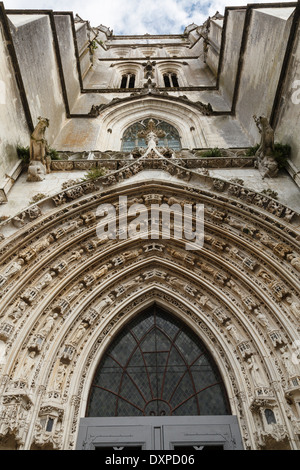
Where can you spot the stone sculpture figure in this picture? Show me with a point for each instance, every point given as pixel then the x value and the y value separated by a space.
pixel 104 303
pixel 262 319
pixel 75 292
pixel 2 353
pixel 13 268
pixel 80 332
pixel 36 171
pixel 27 368
pixel 294 260
pixel 286 356
pixel 103 270
pixel 149 69
pixel 40 161
pixel 294 307
pixel 18 310
pixel 255 374
pixel 45 281
pixel 232 330
pixel 177 283
pixel 266 162
pixel 151 134
pixel 75 255
pixel 59 377
pixel 49 323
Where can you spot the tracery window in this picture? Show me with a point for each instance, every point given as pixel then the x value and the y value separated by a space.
pixel 171 80
pixel 130 138
pixel 157 367
pixel 128 80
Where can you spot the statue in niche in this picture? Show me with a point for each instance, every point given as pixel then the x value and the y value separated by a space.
pixel 45 281
pixel 75 292
pixel 286 356
pixel 132 254
pixel 103 270
pixel 2 353
pixel 13 268
pixel 294 260
pixel 59 377
pixel 27 368
pixel 49 323
pixel 133 283
pixel 104 303
pixel 174 281
pixel 232 330
pixel 79 334
pixel 255 374
pixel 262 319
pixel 294 307
pixel 205 302
pixel 266 161
pixel 43 243
pixel 75 255
pixel 40 161
pixel 18 310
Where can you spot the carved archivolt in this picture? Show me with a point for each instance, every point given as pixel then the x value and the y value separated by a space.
pixel 65 293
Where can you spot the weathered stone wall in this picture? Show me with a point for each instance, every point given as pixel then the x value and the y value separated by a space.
pixel 214 38
pixel 233 39
pixel 94 134
pixel 262 62
pixel 287 129
pixel 33 41
pixel 68 57
pixel 82 38
pixel 13 126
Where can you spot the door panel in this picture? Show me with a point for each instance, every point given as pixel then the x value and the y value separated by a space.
pixel 160 433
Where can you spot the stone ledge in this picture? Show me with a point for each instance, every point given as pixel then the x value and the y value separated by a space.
pixel 9 181
pixel 294 172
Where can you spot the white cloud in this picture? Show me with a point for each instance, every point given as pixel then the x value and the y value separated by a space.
pixel 136 16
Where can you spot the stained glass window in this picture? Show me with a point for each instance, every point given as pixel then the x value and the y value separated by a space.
pixel 157 367
pixel 131 140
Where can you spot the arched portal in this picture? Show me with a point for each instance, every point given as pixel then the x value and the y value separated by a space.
pixel 157 367
pixel 70 293
pixel 158 387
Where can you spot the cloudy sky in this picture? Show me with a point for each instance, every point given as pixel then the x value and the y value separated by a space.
pixel 136 16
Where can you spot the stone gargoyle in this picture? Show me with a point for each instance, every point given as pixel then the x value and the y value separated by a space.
pixel 40 161
pixel 265 154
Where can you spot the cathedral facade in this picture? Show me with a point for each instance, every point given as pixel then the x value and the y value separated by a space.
pixel 149 234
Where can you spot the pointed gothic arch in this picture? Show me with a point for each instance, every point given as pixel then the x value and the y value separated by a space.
pixel 156 366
